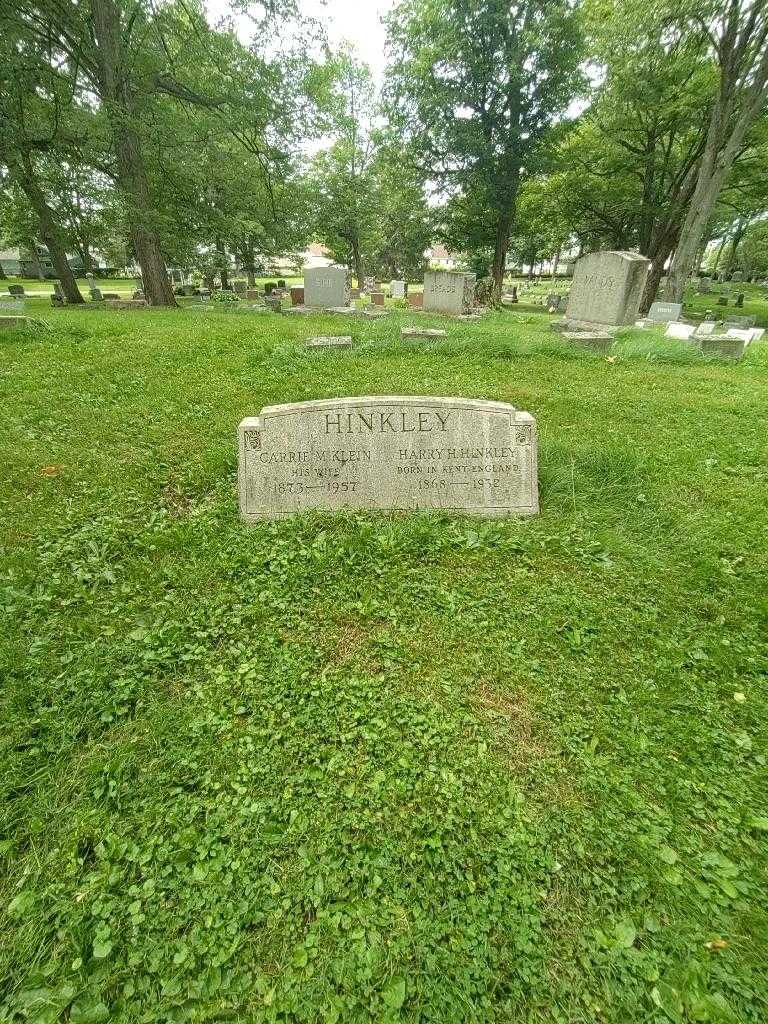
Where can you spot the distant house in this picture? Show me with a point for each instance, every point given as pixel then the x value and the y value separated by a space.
pixel 438 256
pixel 18 262
pixel 9 261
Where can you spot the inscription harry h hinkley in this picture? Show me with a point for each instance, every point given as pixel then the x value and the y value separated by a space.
pixel 388 452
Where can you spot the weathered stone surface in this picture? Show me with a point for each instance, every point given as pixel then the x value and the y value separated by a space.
pixel 744 334
pixel 705 328
pixel 723 346
pixel 15 322
pixel 416 300
pixel 590 327
pixel 327 286
pixel 422 332
pixel 757 333
pixel 705 283
pixel 737 275
pixel 297 295
pixel 598 341
pixel 740 321
pixel 377 298
pixel 397 289
pixel 390 452
pixel 252 294
pixel 10 307
pixel 374 312
pixel 330 341
pixel 559 326
pixel 665 312
pixel 448 292
pixel 607 288
pixel 124 304
pixel 681 331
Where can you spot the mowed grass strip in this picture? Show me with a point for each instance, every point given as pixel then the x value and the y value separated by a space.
pixel 375 767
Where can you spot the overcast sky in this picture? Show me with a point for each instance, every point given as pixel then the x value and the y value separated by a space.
pixel 355 21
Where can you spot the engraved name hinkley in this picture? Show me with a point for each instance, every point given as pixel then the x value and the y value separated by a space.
pixel 396 422
pixel 388 452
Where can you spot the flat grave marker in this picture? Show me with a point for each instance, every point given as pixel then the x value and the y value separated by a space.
pixel 681 331
pixel 332 341
pixel 422 332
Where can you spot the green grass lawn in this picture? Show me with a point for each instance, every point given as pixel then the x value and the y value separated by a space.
pixel 373 767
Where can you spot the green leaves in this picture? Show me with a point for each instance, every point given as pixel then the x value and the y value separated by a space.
pixel 394 993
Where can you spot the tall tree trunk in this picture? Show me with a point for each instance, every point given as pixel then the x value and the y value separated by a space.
pixel 24 173
pixel 249 251
pixel 719 253
pixel 221 250
pixel 132 174
pixel 726 132
pixel 661 250
pixel 34 259
pixel 739 231
pixel 87 258
pixel 3 275
pixel 555 263
pixel 357 259
pixel 500 250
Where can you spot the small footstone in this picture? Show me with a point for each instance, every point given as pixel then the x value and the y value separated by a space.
pixel 125 304
pixel 724 346
pixel 15 322
pixel 323 341
pixel 680 331
pixel 598 341
pixel 422 332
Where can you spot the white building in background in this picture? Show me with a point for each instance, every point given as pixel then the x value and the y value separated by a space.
pixel 315 255
pixel 439 257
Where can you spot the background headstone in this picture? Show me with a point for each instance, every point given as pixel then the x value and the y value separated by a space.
pixel 416 300
pixel 326 286
pixel 448 291
pixel 377 298
pixel 607 287
pixel 737 275
pixel 664 312
pixel 398 289
pixel 297 295
pixel 388 452
pixel 705 284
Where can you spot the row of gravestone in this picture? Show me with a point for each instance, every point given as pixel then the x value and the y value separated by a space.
pixel 444 291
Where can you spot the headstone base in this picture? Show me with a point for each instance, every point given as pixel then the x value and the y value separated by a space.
pixel 598 341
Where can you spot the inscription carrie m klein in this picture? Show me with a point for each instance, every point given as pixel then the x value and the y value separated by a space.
pixel 388 452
